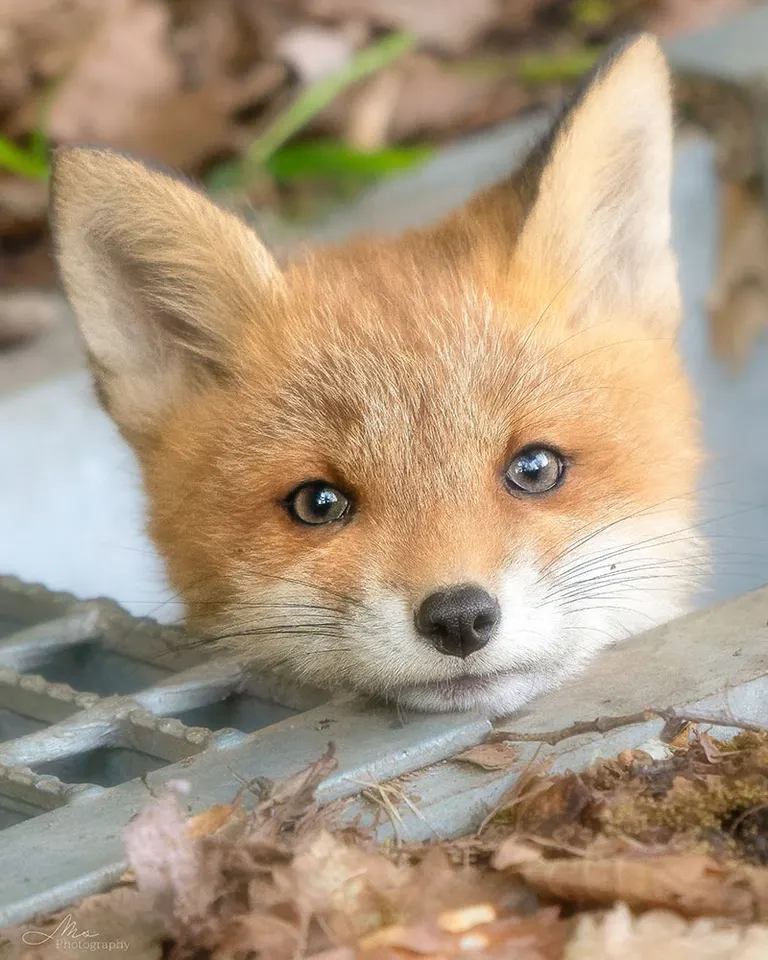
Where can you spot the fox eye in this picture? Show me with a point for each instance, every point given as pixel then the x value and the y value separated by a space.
pixel 318 502
pixel 535 470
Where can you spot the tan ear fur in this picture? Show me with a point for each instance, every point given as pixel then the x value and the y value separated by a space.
pixel 160 279
pixel 600 213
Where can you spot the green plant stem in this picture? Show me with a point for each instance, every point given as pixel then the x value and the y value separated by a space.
pixel 538 69
pixel 318 96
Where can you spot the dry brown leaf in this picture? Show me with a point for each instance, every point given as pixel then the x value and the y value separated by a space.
pixel 450 25
pixel 438 884
pixel 353 889
pixel 177 882
pixel 491 756
pixel 289 801
pixel 38 40
pixel 755 879
pixel 262 935
pixel 439 98
pixel 421 939
pixel 213 819
pixel 131 89
pixel 434 99
pixel 693 885
pixel 711 748
pixel 466 918
pixel 512 852
pixel 475 930
pixel 618 935
pixel 228 884
pixel 552 803
pixel 336 953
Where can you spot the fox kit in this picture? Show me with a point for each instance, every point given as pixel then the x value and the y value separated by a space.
pixel 443 470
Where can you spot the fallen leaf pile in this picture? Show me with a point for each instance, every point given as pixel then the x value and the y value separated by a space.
pixel 182 81
pixel 632 859
pixel 191 83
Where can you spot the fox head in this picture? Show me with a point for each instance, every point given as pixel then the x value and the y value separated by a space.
pixel 443 470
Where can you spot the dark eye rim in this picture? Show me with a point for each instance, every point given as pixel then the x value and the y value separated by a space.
pixel 288 502
pixel 563 464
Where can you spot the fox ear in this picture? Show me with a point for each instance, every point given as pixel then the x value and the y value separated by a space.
pixel 158 278
pixel 599 201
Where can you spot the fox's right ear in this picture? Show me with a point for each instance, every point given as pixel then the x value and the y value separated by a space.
pixel 159 279
pixel 601 212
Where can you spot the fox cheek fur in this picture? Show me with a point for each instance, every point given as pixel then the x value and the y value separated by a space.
pixel 444 470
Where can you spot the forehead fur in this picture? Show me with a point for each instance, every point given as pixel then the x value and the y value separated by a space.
pixel 383 368
pixel 411 385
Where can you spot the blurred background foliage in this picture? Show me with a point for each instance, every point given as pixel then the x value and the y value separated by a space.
pixel 287 103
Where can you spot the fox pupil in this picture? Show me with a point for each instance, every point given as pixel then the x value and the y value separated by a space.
pixel 324 501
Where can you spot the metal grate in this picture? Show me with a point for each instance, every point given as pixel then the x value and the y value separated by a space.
pixel 97 707
pixel 91 697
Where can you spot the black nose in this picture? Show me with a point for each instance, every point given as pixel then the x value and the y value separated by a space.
pixel 458 621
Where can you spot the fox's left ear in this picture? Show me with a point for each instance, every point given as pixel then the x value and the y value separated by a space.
pixel 599 201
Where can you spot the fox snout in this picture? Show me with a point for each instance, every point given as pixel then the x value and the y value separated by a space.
pixel 458 621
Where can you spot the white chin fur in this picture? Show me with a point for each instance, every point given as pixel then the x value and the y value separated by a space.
pixel 494 696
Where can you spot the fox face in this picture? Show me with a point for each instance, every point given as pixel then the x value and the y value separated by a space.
pixel 443 470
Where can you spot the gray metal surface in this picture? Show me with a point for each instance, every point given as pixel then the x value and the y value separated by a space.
pixel 734 50
pixel 93 699
pixel 88 691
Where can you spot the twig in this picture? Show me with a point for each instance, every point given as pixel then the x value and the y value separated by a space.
pixel 511 798
pixel 385 796
pixel 552 737
pixel 713 719
pixel 605 724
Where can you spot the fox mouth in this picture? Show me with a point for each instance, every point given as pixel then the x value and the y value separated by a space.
pixel 467 684
pixel 497 693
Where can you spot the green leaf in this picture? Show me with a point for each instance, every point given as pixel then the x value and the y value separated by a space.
pixel 29 163
pixel 542 68
pixel 316 97
pixel 333 160
pixel 592 13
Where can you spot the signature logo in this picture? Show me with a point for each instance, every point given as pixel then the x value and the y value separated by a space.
pixel 66 930
pixel 67 936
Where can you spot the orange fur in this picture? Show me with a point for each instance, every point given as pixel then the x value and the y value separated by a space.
pixel 408 373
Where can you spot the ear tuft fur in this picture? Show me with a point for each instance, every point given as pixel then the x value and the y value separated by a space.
pixel 598 187
pixel 159 278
